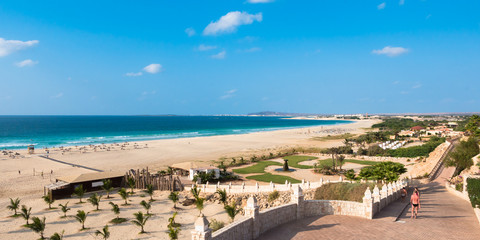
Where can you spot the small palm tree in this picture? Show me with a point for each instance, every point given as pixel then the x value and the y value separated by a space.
pixel 57 236
pixel 79 192
pixel 81 218
pixel 223 196
pixel 64 209
pixel 14 205
pixel 107 186
pixel 140 220
pixel 199 204
pixel 38 226
pixel 174 197
pixel 105 234
pixel 146 205
pixel 115 208
pixel 232 210
pixel 173 232
pixel 131 184
pixel 95 200
pixel 25 212
pixel 124 194
pixel 171 221
pixel 149 191
pixel 48 200
pixel 195 192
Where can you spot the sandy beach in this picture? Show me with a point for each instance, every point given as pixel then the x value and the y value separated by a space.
pixel 156 155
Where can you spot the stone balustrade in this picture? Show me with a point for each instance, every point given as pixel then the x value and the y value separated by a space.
pixel 254 222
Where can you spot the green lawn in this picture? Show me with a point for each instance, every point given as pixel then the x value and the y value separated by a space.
pixel 328 162
pixel 257 168
pixel 294 160
pixel 267 177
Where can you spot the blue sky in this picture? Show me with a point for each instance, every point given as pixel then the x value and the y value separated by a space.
pixel 236 57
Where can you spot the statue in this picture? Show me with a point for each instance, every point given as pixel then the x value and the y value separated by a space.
pixel 285 165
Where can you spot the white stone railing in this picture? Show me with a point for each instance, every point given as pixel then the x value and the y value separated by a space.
pixel 254 223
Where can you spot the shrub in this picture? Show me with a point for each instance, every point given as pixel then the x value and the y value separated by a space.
pixel 473 189
pixel 273 196
pixel 350 174
pixel 215 225
pixel 342 191
pixel 388 171
pixel 417 151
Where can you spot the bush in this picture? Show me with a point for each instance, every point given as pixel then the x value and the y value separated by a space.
pixel 273 196
pixel 473 189
pixel 204 177
pixel 215 225
pixel 417 151
pixel 342 191
pixel 459 187
pixel 388 171
pixel 350 174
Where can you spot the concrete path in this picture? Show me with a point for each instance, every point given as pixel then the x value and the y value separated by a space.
pixel 71 164
pixel 442 216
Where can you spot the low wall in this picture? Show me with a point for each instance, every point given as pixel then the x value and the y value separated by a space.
pixel 333 207
pixel 241 230
pixel 255 223
pixel 464 194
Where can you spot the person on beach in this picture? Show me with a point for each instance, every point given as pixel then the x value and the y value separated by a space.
pixel 404 194
pixel 415 201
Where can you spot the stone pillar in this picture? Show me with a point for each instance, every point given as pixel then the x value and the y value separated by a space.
pixel 251 210
pixel 321 182
pixel 243 187
pixel 394 191
pixel 383 196
pixel 376 199
pixel 202 231
pixel 257 188
pixel 389 194
pixel 297 197
pixel 368 204
pixel 273 187
pixel 465 177
pixel 340 179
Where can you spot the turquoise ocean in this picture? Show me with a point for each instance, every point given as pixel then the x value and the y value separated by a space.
pixel 17 132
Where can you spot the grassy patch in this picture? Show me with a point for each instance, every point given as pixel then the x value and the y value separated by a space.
pixel 257 168
pixel 294 160
pixel 328 162
pixel 342 191
pixel 267 177
pixel 334 137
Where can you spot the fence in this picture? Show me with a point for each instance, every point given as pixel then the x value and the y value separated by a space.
pixel 163 183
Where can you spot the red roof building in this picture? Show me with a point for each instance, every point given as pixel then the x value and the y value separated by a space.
pixel 417 128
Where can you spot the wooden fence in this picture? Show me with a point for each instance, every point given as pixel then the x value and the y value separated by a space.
pixel 163 183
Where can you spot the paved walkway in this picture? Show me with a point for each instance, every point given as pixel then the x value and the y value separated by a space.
pixel 442 216
pixel 71 164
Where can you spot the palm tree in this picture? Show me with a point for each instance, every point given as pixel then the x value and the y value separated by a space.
pixel 107 186
pixel 195 192
pixel 140 220
pixel 79 192
pixel 171 221
pixel 341 161
pixel 149 191
pixel 25 212
pixel 38 226
pixel 48 200
pixel 223 196
pixel 199 204
pixel 57 236
pixel 174 197
pixel 115 208
pixel 105 234
pixel 95 200
pixel 64 209
pixel 81 218
pixel 124 194
pixel 131 184
pixel 14 205
pixel 173 232
pixel 146 205
pixel 232 210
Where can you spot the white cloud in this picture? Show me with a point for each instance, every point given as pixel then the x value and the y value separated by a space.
pixel 134 74
pixel 230 22
pixel 153 68
pixel 220 55
pixel 259 1
pixel 391 51
pixel 26 63
pixel 418 85
pixel 190 32
pixel 9 46
pixel 229 94
pixel 59 95
pixel 401 2
pixel 381 6
pixel 203 47
pixel 253 49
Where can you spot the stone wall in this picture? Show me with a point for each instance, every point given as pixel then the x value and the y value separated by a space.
pixel 255 222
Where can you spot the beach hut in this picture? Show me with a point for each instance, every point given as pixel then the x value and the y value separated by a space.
pixel 65 185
